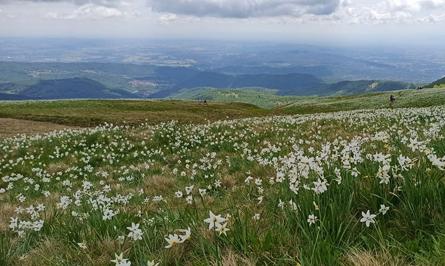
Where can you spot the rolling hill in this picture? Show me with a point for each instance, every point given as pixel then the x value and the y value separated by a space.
pixel 438 83
pixel 112 80
pixel 12 97
pixel 72 88
pixel 176 79
pixel 362 86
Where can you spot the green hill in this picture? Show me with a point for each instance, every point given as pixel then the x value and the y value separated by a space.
pixel 440 83
pixel 225 104
pixel 95 112
pixel 404 98
pixel 362 86
pixel 265 98
pixel 72 88
pixel 13 97
pixel 177 79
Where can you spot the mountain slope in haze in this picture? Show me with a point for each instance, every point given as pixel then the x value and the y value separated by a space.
pixel 156 81
pixel 362 86
pixel 12 97
pixel 176 79
pixel 437 83
pixel 72 88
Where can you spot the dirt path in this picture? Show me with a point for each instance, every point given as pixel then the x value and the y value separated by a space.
pixel 10 127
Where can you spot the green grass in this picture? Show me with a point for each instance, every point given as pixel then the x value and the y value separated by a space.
pixel 226 104
pixel 128 167
pixel 268 99
pixel 95 112
pixel 265 98
pixel 405 98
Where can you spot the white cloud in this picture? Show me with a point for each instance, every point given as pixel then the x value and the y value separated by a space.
pixel 91 11
pixel 414 5
pixel 202 18
pixel 168 18
pixel 77 2
pixel 245 8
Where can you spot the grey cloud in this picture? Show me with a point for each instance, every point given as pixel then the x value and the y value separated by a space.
pixel 77 2
pixel 245 8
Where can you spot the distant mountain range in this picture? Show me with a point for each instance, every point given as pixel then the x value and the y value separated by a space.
pixel 362 86
pixel 73 88
pixel 12 97
pixel 176 79
pixel 179 79
pixel 98 80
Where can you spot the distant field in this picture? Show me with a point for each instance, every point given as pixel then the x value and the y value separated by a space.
pixel 95 112
pixel 224 104
pixel 268 99
pixel 405 98
pixel 264 98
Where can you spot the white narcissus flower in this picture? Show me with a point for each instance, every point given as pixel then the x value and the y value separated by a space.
pixel 222 229
pixel 186 234
pixel 172 240
pixel 368 218
pixel 108 214
pixel 135 232
pixel 152 263
pixel 320 186
pixel 280 204
pixel 82 245
pixel 383 209
pixel 120 261
pixel 213 220
pixel 312 219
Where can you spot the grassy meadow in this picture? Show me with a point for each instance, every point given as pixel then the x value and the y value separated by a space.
pixel 268 99
pixel 89 113
pixel 182 183
pixel 404 99
pixel 264 98
pixel 221 104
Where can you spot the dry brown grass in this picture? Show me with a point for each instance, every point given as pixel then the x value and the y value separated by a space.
pixel 367 258
pixel 52 252
pixel 53 168
pixel 103 251
pixel 231 258
pixel 158 184
pixel 6 210
pixel 228 181
pixel 10 127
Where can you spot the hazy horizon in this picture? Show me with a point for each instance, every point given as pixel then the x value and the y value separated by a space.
pixel 330 22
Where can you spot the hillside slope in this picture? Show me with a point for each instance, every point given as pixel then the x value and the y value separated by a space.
pixel 176 79
pixel 404 98
pixel 96 112
pixel 437 83
pixel 12 97
pixel 72 88
pixel 363 86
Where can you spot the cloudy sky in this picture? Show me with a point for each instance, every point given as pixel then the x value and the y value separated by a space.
pixel 301 20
